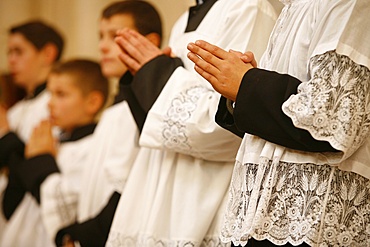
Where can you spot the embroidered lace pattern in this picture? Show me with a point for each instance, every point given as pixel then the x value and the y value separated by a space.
pixel 335 104
pixel 117 239
pixel 319 205
pixel 182 106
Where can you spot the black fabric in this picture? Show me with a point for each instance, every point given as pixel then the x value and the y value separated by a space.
pixel 14 191
pixel 9 144
pixel 37 91
pixel 126 93
pixel 148 84
pixel 93 232
pixel 79 133
pixel 225 119
pixel 32 172
pixel 258 111
pixel 125 80
pixel 197 14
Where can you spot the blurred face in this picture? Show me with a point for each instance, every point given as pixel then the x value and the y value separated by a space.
pixel 68 106
pixel 110 63
pixel 24 60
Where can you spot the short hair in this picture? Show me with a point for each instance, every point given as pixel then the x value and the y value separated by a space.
pixel 146 18
pixel 40 34
pixel 87 75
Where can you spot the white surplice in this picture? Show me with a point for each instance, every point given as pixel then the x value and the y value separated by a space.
pixel 23 229
pixel 176 190
pixel 322 199
pixel 116 143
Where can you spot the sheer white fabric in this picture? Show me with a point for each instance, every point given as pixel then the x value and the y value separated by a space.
pixel 322 199
pixel 176 191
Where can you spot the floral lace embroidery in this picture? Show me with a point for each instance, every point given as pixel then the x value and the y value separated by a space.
pixel 117 239
pixel 335 104
pixel 319 205
pixel 182 106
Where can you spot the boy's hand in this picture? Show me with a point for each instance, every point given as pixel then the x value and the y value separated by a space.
pixel 41 141
pixel 223 69
pixel 137 49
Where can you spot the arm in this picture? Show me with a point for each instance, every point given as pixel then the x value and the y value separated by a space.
pixel 147 84
pixel 10 143
pixel 291 113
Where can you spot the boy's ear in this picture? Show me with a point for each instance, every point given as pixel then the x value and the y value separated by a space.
pixel 50 52
pixel 154 38
pixel 95 102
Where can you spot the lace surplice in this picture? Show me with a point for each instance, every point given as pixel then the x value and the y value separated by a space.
pixel 304 201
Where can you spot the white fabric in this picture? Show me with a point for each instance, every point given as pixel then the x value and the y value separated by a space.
pixel 174 195
pixel 23 229
pixel 26 114
pixel 59 193
pixel 116 140
pixel 291 196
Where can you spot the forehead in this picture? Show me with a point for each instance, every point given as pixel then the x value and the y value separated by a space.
pixel 116 22
pixel 63 81
pixel 18 40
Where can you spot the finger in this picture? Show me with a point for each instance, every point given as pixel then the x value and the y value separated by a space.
pixel 209 77
pixel 129 46
pixel 238 53
pixel 208 61
pixel 204 65
pixel 248 57
pixel 215 50
pixel 131 63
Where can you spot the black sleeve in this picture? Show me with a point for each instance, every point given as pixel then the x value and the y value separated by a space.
pixel 14 191
pixel 258 111
pixel 10 143
pixel 148 83
pixel 225 119
pixel 34 171
pixel 93 232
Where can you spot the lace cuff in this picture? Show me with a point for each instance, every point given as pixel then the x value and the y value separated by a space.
pixel 334 105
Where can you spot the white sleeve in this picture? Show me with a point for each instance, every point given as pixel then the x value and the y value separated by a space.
pixel 183 117
pixel 334 105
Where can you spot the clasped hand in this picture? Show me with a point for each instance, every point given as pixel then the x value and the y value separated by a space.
pixel 223 69
pixel 41 141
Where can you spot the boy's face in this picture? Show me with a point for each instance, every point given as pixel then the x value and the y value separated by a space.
pixel 110 63
pixel 24 60
pixel 68 105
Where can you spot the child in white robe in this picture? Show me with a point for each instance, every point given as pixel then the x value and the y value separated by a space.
pixel 302 173
pixel 174 195
pixel 33 48
pixel 116 136
pixel 52 168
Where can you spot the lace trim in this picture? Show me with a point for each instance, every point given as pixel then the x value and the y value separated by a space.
pixel 66 211
pixel 117 239
pixel 296 203
pixel 334 105
pixel 182 106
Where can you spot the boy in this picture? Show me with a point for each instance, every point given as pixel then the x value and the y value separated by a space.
pixel 116 133
pixel 175 195
pixel 50 172
pixel 33 48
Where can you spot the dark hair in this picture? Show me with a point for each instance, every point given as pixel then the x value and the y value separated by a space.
pixel 40 34
pixel 87 75
pixel 146 17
